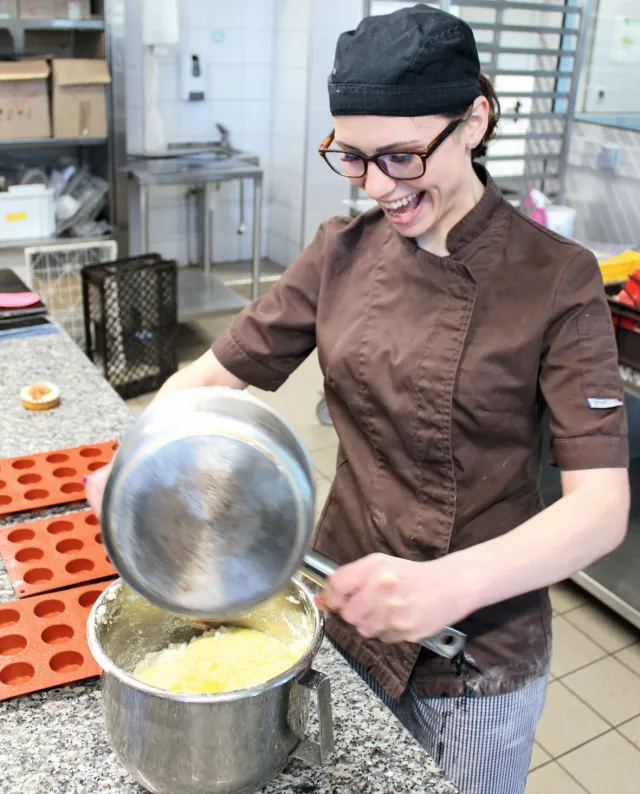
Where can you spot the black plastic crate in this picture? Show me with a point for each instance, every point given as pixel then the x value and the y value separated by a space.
pixel 131 321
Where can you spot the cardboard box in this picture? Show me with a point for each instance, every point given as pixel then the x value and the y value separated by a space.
pixel 24 100
pixel 8 9
pixel 38 9
pixel 79 95
pixel 51 9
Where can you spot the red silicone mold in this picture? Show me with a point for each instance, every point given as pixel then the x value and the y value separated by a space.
pixel 43 641
pixel 49 478
pixel 54 552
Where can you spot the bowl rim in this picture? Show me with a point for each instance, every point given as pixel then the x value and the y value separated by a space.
pixel 109 667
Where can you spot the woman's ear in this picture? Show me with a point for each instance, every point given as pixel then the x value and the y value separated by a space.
pixel 476 123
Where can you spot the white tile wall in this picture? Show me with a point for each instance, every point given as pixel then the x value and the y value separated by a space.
pixel 267 64
pixel 608 204
pixel 235 42
pixel 608 71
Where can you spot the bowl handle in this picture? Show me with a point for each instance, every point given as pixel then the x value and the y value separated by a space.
pixel 308 751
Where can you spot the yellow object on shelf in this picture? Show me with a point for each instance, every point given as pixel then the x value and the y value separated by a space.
pixel 620 267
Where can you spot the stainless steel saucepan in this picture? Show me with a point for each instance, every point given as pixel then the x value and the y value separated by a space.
pixel 209 509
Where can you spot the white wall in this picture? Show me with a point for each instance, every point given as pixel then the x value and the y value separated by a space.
pixel 235 43
pixel 290 102
pixel 324 191
pixel 610 65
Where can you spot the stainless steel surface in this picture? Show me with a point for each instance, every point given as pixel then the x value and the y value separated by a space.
pixel 242 226
pixel 210 504
pixel 257 237
pixel 628 609
pixel 203 170
pixel 316 753
pixel 18 27
pixel 207 223
pixel 200 294
pixel 51 143
pixel 614 579
pixel 447 643
pixel 578 63
pixel 227 743
pixel 115 25
pixel 192 168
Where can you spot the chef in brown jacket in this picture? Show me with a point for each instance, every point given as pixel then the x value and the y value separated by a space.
pixel 445 323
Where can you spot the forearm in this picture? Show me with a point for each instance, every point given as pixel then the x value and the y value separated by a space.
pixel 204 371
pixel 578 529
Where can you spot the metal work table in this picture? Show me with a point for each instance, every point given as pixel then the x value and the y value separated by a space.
pixel 204 170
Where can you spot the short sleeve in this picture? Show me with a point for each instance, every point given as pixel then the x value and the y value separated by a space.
pixel 272 336
pixel 579 375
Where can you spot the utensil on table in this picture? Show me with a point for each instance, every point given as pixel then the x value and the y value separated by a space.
pixel 209 508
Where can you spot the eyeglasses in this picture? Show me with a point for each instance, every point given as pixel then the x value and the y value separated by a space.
pixel 397 165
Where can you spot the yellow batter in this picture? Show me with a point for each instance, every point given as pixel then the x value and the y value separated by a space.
pixel 222 660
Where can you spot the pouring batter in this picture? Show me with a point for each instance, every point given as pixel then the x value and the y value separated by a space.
pixel 446 324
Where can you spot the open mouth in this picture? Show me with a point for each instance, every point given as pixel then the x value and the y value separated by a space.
pixel 403 210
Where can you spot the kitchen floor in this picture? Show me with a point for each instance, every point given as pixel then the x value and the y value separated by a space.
pixel 588 739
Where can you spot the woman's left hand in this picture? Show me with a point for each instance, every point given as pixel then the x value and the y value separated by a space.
pixel 395 600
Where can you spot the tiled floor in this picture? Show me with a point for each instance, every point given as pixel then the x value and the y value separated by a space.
pixel 589 737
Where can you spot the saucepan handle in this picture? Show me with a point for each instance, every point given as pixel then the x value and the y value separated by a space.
pixel 315 753
pixel 448 642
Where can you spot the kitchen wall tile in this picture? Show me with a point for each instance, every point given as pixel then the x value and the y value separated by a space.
pixel 258 46
pixel 293 15
pixel 292 49
pixel 227 81
pixel 225 45
pixel 259 14
pixel 258 81
pixel 256 116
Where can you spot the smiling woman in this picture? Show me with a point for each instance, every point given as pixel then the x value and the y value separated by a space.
pixel 446 324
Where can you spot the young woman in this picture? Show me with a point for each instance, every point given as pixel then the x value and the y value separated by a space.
pixel 446 323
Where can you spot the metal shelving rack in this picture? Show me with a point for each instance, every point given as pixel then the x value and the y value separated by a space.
pixel 540 44
pixel 107 156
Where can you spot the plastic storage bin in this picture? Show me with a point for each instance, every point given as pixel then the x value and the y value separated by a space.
pixel 27 212
pixel 131 321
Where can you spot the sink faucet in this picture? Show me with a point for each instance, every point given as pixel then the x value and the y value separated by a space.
pixel 225 136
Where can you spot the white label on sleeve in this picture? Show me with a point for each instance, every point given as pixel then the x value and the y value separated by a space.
pixel 604 402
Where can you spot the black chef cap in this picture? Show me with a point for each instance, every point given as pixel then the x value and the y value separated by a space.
pixel 414 62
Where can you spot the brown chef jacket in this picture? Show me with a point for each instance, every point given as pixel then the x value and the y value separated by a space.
pixel 437 372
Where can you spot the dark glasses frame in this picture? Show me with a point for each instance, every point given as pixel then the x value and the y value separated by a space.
pixel 424 155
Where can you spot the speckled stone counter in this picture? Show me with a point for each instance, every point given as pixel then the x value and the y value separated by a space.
pixel 54 742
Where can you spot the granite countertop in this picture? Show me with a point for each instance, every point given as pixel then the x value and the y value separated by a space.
pixel 54 742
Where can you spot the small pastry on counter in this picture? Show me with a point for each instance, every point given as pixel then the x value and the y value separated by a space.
pixel 40 396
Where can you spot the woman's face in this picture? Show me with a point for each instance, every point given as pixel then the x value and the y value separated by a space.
pixel 446 181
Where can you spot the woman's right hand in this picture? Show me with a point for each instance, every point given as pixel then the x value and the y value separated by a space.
pixel 204 371
pixel 94 486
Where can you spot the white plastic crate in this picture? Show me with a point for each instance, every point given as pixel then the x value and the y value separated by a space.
pixel 55 274
pixel 27 212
